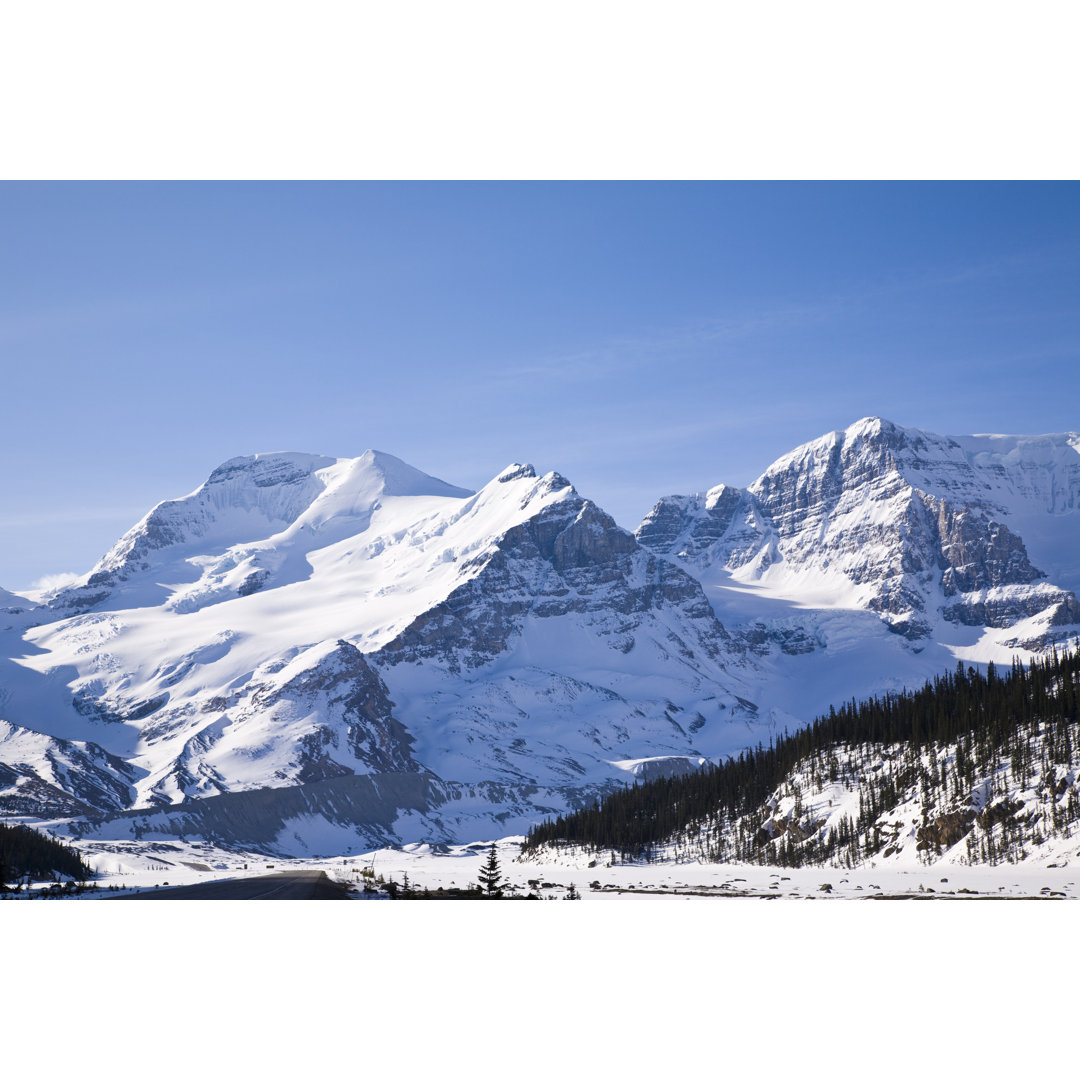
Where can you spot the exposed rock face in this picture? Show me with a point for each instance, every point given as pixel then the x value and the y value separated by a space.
pixel 909 525
pixel 691 526
pixel 1004 809
pixel 569 559
pixel 791 826
pixel 979 553
pixel 945 830
pixel 757 638
pixel 44 776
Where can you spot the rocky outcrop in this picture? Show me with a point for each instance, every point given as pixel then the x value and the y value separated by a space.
pixel 944 831
pixel 44 776
pixel 978 553
pixel 1060 608
pixel 691 526
pixel 761 639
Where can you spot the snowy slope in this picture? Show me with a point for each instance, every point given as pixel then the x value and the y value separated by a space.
pixel 16 612
pixel 298 619
pixel 43 775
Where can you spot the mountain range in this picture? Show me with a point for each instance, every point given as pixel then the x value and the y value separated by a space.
pixel 313 655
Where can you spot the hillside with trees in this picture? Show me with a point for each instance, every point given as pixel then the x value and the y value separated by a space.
pixel 26 852
pixel 974 767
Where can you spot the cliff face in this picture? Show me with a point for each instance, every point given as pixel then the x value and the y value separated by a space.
pixel 914 527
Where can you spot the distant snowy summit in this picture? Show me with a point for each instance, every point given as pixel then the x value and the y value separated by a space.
pixel 251 511
pixel 921 529
pixel 300 620
pixel 315 654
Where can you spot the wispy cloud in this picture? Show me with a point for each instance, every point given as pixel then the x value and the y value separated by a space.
pixel 50 582
pixel 1034 261
pixel 603 359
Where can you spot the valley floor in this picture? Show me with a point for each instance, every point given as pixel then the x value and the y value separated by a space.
pixel 151 866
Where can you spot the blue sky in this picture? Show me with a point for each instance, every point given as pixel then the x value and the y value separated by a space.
pixel 640 338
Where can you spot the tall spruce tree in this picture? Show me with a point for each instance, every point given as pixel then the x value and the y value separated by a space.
pixel 490 875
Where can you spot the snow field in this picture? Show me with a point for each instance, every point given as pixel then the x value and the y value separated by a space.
pixel 138 866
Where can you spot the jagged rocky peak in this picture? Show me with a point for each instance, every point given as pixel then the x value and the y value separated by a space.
pixel 554 555
pixel 805 485
pixel 904 521
pixel 549 482
pixel 515 472
pixel 562 527
pixel 914 511
pixel 690 526
pixel 996 473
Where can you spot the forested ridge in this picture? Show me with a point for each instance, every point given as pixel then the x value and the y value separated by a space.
pixel 991 757
pixel 26 851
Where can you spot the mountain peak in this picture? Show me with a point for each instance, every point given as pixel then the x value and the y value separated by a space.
pixel 515 471
pixel 870 426
pixel 258 499
pixel 269 469
pixel 400 478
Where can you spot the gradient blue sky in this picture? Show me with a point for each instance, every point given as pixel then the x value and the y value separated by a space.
pixel 641 338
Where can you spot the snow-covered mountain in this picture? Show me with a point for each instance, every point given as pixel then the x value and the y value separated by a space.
pixel 871 558
pixel 402 659
pixel 300 619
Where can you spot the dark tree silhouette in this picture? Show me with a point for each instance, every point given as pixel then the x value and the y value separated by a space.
pixel 490 875
pixel 26 851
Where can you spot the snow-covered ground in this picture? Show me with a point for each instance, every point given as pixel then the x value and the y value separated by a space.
pixel 148 866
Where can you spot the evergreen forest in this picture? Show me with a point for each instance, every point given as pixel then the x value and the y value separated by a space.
pixel 26 852
pixel 982 763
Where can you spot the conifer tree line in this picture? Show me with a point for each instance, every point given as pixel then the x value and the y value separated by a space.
pixel 963 744
pixel 25 851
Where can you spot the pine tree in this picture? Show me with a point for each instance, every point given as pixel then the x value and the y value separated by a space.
pixel 490 875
